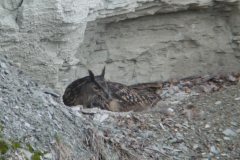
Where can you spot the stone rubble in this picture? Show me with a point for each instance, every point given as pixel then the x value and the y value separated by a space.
pixel 35 116
pixel 31 114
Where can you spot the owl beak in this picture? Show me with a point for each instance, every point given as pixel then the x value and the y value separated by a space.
pixel 107 94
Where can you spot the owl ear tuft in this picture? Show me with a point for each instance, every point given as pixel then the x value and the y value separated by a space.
pixel 91 75
pixel 103 72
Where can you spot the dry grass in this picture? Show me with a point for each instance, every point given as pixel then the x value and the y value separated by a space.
pixel 60 151
pixel 96 141
pixel 101 146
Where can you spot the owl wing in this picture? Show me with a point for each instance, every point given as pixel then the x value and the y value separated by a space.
pixel 129 98
pixel 151 87
pixel 73 94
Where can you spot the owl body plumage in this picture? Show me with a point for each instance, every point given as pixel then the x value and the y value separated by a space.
pixel 115 97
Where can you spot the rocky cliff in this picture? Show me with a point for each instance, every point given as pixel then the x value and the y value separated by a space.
pixel 137 40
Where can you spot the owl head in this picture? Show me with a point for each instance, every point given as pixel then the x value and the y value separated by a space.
pixel 101 81
pixel 97 85
pixel 84 90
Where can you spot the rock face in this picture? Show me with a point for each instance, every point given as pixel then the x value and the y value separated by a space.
pixel 139 41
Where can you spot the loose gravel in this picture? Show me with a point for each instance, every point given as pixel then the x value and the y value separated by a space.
pixel 200 126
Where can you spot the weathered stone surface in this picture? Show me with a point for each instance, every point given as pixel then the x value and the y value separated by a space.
pixel 139 41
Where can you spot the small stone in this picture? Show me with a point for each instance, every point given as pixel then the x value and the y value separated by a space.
pixel 170 109
pixel 176 150
pixel 175 102
pixel 207 126
pixel 179 136
pixel 236 38
pixel 227 138
pixel 6 118
pixel 128 116
pixel 26 153
pixel 218 102
pixel 78 114
pixel 50 110
pixel 50 91
pixel 203 154
pixel 48 156
pixel 17 64
pixel 28 106
pixel 29 126
pixel 175 88
pixel 90 111
pixel 167 111
pixel 225 155
pixel 53 142
pixel 229 132
pixel 238 131
pixel 75 109
pixel 174 140
pixel 164 92
pixel 65 111
pixel 183 147
pixel 213 150
pixel 17 123
pixel 234 123
pixel 236 99
pixel 220 129
pixel 167 95
pixel 38 130
pixel 195 146
pixel 170 91
pixel 52 101
pixel 25 82
pixel 57 124
pixel 16 107
pixel 100 118
pixel 167 147
pixel 6 71
pixel 3 65
pixel 9 61
pixel 178 125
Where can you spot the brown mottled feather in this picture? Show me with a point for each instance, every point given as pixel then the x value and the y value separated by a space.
pixel 72 95
pixel 132 99
pixel 121 98
pixel 82 92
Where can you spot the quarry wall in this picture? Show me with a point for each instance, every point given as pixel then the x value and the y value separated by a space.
pixel 57 41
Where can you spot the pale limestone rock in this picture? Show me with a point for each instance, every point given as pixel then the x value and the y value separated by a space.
pixel 138 41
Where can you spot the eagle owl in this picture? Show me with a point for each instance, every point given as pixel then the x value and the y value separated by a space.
pixel 94 91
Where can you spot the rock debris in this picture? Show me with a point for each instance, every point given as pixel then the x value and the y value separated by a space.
pixel 35 117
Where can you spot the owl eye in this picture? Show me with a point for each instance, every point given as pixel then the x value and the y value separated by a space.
pixel 96 87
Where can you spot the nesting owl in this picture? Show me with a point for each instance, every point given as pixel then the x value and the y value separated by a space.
pixel 94 91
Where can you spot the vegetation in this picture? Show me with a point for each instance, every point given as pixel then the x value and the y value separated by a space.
pixel 15 145
pixel 1 127
pixel 30 148
pixel 37 155
pixel 3 147
pixel 57 138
